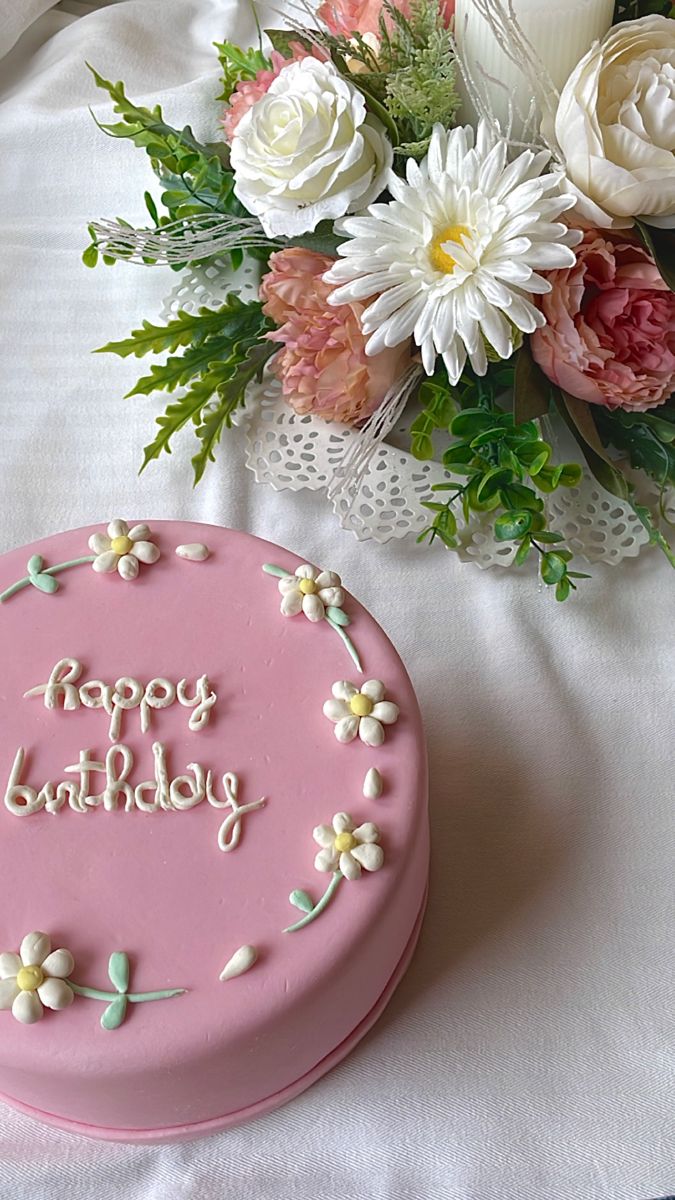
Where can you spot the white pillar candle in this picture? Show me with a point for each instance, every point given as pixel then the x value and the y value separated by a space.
pixel 559 31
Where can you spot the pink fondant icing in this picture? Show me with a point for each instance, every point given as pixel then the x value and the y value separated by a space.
pixel 156 885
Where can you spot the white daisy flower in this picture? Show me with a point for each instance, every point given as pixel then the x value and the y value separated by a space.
pixel 121 549
pixel 453 258
pixel 364 712
pixel 346 848
pixel 310 591
pixel 35 978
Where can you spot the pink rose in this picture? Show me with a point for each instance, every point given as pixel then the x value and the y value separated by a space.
pixel 323 367
pixel 249 91
pixel 610 332
pixel 362 16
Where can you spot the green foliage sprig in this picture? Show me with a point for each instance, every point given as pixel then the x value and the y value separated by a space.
pixel 237 64
pixel 495 464
pixel 224 350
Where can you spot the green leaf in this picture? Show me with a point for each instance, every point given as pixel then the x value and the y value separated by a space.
pixel 512 525
pixel 231 389
pixel 338 615
pixel 607 475
pixel 553 567
pixel 531 388
pixel 35 564
pixel 656 538
pixel 301 900
pixel 548 538
pixel 118 970
pixel 523 551
pixel 661 245
pixel 115 1013
pixel 563 588
pixel 492 483
pixel 90 256
pixel 179 370
pixel 281 40
pixel 45 583
pixel 181 330
pixel 237 64
pixel 470 422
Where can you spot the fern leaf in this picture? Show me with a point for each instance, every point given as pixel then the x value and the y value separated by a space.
pixel 181 368
pixel 186 328
pixel 232 393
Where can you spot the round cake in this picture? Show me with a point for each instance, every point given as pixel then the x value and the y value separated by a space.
pixel 214 835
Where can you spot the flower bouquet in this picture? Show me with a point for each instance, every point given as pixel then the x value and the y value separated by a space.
pixel 461 216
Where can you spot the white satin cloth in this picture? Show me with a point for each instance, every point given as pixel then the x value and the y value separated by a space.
pixel 530 1052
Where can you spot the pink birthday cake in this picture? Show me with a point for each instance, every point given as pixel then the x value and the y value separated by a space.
pixel 214 835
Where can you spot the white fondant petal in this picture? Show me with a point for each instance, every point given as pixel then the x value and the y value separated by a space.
pixel 370 856
pixel 326 579
pixel 332 597
pixel 288 584
pixel 140 533
pixel 386 712
pixel 60 964
pixel 34 949
pixel 323 835
pixel 306 571
pixel 146 552
pixel 326 860
pixel 10 965
pixel 371 731
pixel 368 832
pixel 313 608
pixel 27 1008
pixel 373 689
pixel 347 729
pixel 343 689
pixel 291 604
pixel 99 543
pixel 9 990
pixel 336 710
pixel 55 993
pixel 106 562
pixel 128 567
pixel 118 528
pixel 349 866
pixel 342 823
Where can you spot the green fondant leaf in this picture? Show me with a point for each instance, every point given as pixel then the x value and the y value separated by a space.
pixel 115 1013
pixel 45 583
pixel 118 970
pixel 301 900
pixel 35 564
pixel 338 615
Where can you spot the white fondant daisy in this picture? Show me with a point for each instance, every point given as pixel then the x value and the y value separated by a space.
pixel 310 591
pixel 361 711
pixel 454 258
pixel 347 848
pixel 121 549
pixel 35 978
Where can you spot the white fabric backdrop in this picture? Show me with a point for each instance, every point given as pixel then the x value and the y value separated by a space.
pixel 530 1050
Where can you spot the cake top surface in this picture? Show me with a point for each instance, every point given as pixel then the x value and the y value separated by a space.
pixel 140 718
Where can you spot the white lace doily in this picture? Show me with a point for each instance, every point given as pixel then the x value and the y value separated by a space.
pixel 291 453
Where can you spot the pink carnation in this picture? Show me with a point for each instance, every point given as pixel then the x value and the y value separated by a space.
pixel 362 16
pixel 323 367
pixel 249 91
pixel 610 332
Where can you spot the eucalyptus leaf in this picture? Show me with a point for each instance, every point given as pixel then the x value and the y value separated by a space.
pixel 512 525
pixel 118 970
pixel 115 1013
pixel 35 564
pixel 338 615
pixel 301 900
pixel 553 567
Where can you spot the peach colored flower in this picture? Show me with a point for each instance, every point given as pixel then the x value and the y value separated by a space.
pixel 249 91
pixel 610 332
pixel 323 366
pixel 363 16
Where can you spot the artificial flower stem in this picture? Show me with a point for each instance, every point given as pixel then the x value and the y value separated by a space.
pixel 26 581
pixel 133 997
pixel 318 908
pixel 348 643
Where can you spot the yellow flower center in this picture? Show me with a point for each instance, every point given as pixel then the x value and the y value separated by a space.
pixel 345 842
pixel 440 259
pixel 361 705
pixel 121 545
pixel 308 587
pixel 29 979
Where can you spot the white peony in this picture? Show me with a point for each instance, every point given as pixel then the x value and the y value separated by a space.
pixel 308 151
pixel 615 126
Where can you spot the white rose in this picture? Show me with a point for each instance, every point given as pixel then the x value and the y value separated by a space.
pixel 615 125
pixel 308 151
